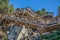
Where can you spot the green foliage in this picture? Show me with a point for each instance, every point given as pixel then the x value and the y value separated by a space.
pixel 5 37
pixel 11 8
pixel 59 11
pixel 5 7
pixel 41 12
pixel 52 35
pixel 6 1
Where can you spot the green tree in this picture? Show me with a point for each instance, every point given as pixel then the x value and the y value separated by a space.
pixel 5 7
pixel 6 1
pixel 11 8
pixel 41 12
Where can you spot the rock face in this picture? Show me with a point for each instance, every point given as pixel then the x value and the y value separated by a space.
pixel 28 34
pixel 26 24
pixel 23 33
pixel 13 32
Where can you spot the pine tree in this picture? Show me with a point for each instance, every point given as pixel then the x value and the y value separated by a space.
pixel 5 7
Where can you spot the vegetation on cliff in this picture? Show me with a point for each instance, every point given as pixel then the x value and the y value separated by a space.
pixel 5 8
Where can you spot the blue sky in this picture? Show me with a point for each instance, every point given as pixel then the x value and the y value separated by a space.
pixel 49 5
